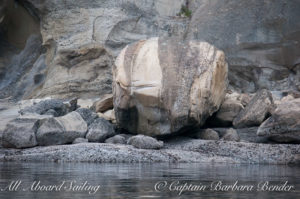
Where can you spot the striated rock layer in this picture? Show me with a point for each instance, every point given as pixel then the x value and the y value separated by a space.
pixel 163 84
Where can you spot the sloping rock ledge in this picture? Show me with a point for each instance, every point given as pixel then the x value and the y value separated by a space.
pixel 178 150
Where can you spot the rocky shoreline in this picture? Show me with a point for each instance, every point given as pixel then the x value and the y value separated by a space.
pixel 150 81
pixel 64 131
pixel 180 150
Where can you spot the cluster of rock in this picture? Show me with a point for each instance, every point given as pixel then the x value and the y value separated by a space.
pixel 55 122
pixel 161 87
pixel 164 86
pixel 266 117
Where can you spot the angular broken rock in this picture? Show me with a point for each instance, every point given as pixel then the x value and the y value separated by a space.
pixel 61 130
pixel 162 85
pixel 256 111
pixel 284 124
pixel 229 109
pixel 145 142
pixel 20 133
pixel 100 130
pixel 105 104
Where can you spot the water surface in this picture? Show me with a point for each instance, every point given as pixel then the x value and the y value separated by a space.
pixel 142 180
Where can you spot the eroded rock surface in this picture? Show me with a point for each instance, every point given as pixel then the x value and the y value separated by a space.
pixel 162 85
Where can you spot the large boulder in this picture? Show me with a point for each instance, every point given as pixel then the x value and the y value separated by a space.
pixel 284 124
pixel 100 130
pixel 261 40
pixel 258 109
pixel 162 85
pixel 20 133
pixel 61 130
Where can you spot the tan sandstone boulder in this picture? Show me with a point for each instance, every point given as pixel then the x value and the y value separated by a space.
pixel 162 85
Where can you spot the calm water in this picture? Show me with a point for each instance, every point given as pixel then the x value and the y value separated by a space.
pixel 140 180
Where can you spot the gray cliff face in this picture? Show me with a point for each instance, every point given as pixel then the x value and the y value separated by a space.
pixel 260 40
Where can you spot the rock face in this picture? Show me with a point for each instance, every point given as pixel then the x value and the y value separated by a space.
pixel 85 70
pixel 261 53
pixel 162 85
pixel 61 130
pixel 256 111
pixel 284 124
pixel 261 40
pixel 81 41
pixel 145 142
pixel 100 130
pixel 20 133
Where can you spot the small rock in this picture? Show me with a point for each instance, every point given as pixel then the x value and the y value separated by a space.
pixel 80 140
pixel 231 135
pixel 105 104
pixel 88 115
pixel 117 139
pixel 110 114
pixel 207 134
pixel 61 130
pixel 100 130
pixel 260 106
pixel 145 142
pixel 20 133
